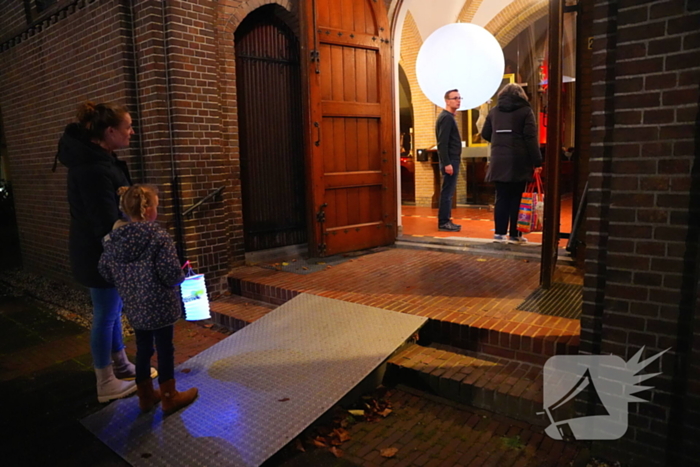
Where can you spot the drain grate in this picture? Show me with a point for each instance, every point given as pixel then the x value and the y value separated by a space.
pixel 562 300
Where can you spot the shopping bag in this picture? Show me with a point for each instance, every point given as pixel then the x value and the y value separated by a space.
pixel 194 295
pixel 531 213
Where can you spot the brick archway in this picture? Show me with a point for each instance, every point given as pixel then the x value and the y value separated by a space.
pixel 515 18
pixel 230 17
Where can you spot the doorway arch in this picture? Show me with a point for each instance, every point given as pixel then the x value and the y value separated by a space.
pixel 268 79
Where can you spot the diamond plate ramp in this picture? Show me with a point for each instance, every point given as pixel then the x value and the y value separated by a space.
pixel 260 387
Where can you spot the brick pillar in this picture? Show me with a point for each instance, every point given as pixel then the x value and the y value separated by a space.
pixel 424 112
pixel 641 283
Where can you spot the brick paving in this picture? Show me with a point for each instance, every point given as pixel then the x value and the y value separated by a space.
pixel 430 431
pixel 56 369
pixel 471 300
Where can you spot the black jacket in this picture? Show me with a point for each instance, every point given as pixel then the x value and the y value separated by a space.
pixel 512 131
pixel 94 175
pixel 449 142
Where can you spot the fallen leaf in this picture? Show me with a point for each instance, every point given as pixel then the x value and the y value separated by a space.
pixel 385 412
pixel 285 264
pixel 319 442
pixel 283 400
pixel 481 260
pixel 388 452
pixel 299 446
pixel 186 370
pixel 343 434
pixel 305 268
pixel 357 413
pixel 336 452
pixel 208 325
pixel 320 262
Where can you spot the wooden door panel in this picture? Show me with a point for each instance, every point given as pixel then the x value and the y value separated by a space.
pixel 347 15
pixel 351 161
pixel 274 201
pixel 349 75
pixel 356 214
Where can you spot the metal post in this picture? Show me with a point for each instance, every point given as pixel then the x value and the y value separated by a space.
pixel 550 235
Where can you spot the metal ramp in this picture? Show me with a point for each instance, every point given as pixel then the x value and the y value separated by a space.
pixel 260 387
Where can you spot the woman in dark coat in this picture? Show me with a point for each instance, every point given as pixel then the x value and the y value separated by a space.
pixel 94 175
pixel 515 156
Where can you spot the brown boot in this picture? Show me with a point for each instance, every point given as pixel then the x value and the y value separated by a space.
pixel 148 397
pixel 174 400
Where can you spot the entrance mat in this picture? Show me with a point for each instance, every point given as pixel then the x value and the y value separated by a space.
pixel 260 387
pixel 309 265
pixel 563 300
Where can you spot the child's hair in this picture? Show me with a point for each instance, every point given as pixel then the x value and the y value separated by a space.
pixel 133 200
pixel 96 118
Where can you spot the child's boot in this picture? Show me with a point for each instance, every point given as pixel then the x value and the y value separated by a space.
pixel 148 397
pixel 124 369
pixel 173 400
pixel 109 387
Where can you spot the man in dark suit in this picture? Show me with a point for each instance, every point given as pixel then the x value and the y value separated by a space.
pixel 449 145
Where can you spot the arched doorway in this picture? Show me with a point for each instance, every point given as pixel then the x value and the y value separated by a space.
pixel 407 174
pixel 268 81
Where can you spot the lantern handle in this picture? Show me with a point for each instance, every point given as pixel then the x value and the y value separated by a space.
pixel 190 271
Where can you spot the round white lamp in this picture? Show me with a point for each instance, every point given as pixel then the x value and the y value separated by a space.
pixel 460 56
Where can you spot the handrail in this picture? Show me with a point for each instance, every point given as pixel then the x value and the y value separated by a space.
pixel 202 201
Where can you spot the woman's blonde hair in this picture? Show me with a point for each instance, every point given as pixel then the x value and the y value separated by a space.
pixel 513 89
pixel 96 118
pixel 133 200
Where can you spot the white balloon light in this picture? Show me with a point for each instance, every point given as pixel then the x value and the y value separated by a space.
pixel 460 56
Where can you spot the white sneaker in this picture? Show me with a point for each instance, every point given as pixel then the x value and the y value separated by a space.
pixel 124 369
pixel 499 238
pixel 517 240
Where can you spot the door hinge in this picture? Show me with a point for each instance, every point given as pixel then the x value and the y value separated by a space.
pixel 321 214
pixel 321 249
pixel 316 58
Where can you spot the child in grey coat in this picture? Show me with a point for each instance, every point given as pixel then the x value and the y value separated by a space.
pixel 139 258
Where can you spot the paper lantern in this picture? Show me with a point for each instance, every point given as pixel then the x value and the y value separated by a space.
pixel 194 297
pixel 460 56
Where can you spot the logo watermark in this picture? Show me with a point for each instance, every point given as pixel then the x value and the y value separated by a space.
pixel 610 383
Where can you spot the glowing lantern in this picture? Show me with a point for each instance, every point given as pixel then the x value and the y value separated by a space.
pixel 460 56
pixel 194 296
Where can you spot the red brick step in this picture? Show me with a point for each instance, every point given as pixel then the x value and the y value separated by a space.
pixel 235 312
pixel 509 387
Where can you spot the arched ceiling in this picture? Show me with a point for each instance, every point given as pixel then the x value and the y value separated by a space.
pixel 430 15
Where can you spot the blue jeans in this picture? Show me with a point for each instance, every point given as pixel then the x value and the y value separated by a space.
pixel 449 183
pixel 163 338
pixel 106 332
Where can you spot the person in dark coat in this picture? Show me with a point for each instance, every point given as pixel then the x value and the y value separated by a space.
pixel 515 155
pixel 449 145
pixel 140 259
pixel 94 175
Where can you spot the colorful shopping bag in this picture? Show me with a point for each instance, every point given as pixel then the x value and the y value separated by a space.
pixel 531 213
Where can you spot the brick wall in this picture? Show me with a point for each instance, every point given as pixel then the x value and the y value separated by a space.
pixel 45 74
pixel 424 111
pixel 179 84
pixel 641 279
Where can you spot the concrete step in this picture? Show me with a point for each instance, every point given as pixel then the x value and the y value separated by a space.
pixel 480 246
pixel 509 387
pixel 235 312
